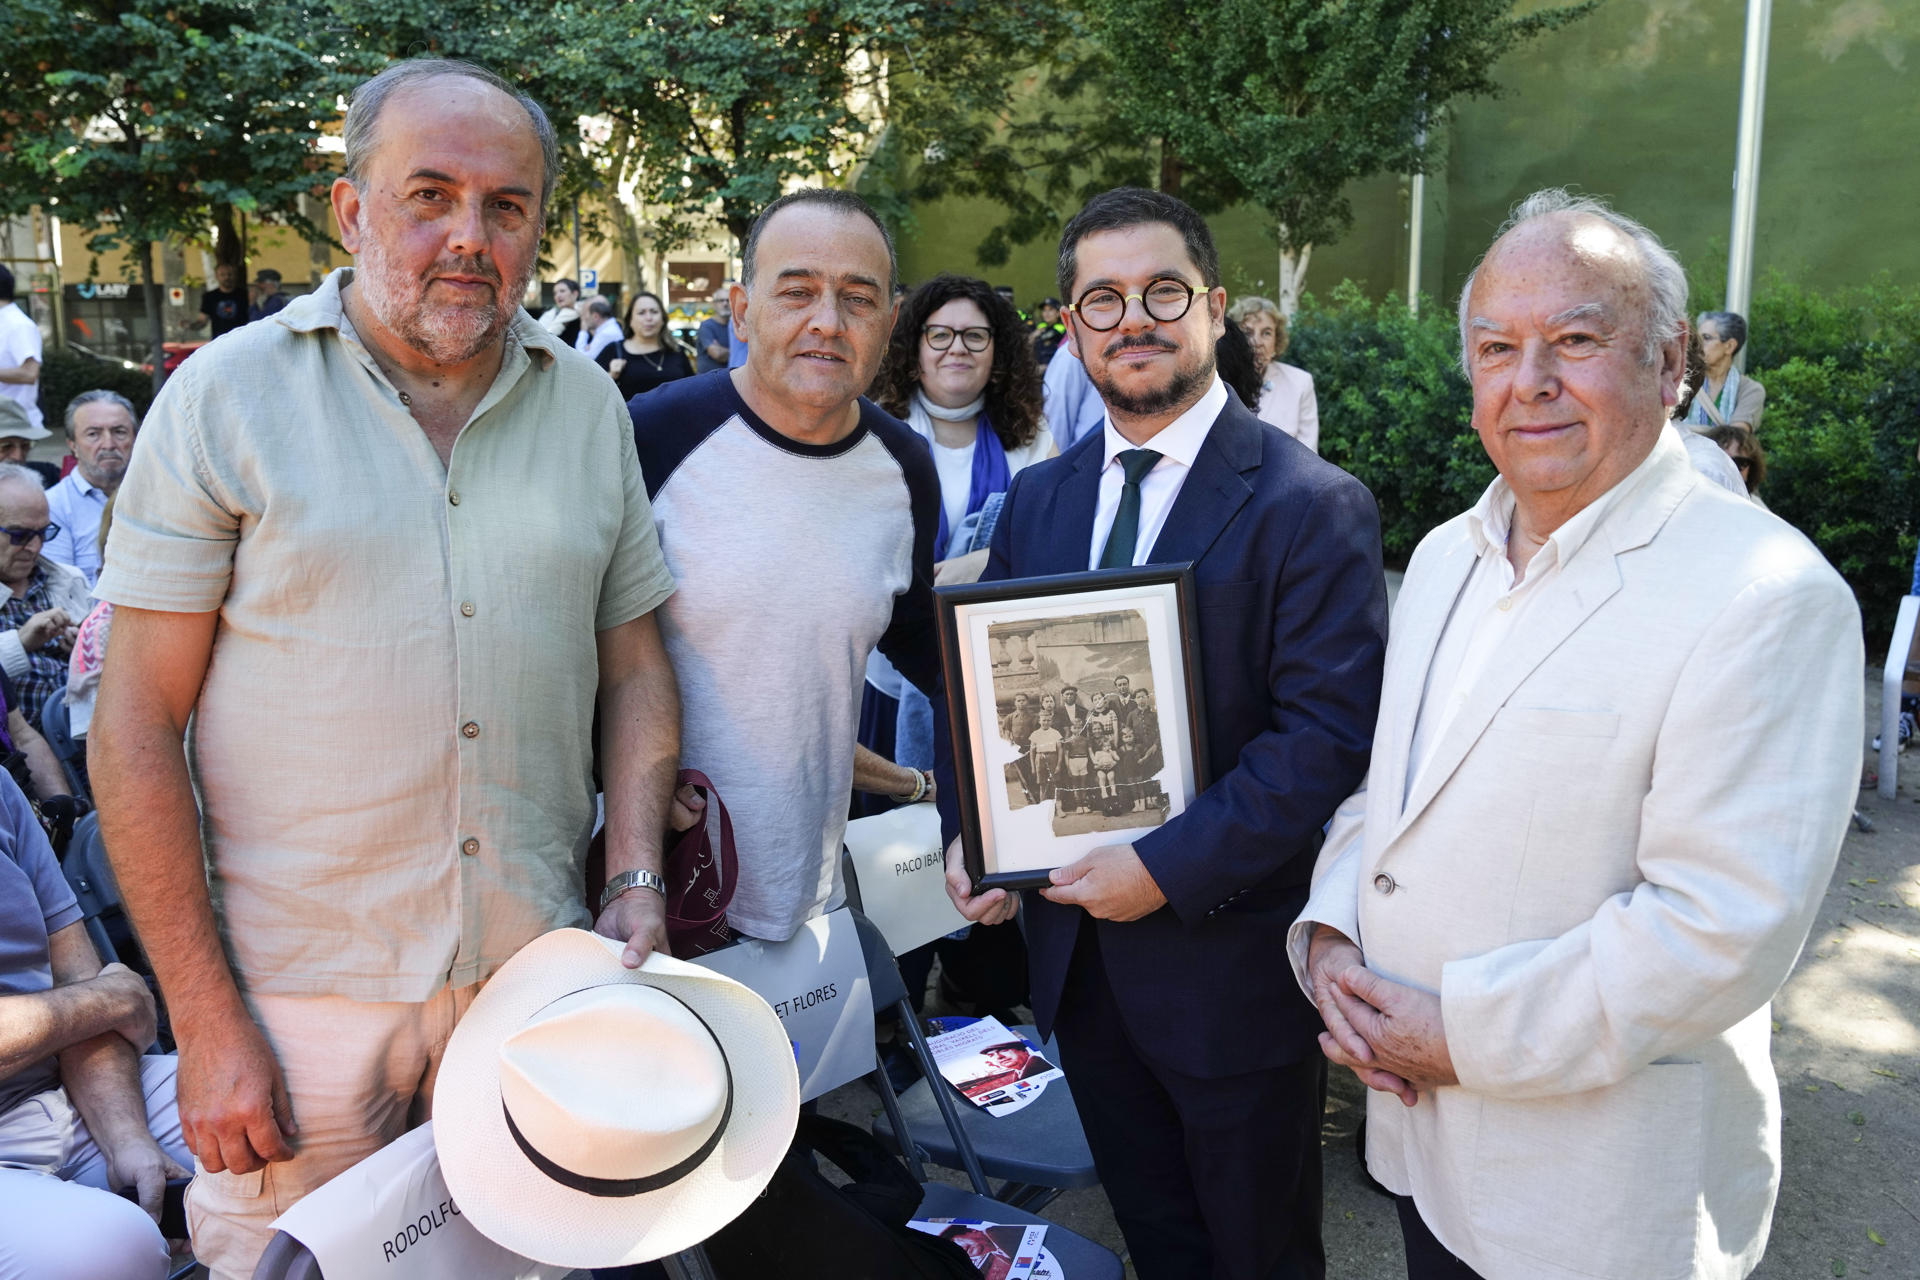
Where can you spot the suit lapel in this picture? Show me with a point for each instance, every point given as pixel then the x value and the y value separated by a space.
pixel 1583 586
pixel 1213 492
pixel 1418 622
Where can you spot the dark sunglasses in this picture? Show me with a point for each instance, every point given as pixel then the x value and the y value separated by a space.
pixel 21 537
pixel 1745 464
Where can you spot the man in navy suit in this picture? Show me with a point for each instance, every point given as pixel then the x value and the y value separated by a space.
pixel 1162 965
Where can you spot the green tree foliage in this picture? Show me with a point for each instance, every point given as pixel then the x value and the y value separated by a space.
pixel 1286 102
pixel 1842 373
pixel 138 117
pixel 707 111
pixel 1395 409
pixel 1281 103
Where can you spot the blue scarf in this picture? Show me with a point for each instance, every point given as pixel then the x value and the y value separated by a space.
pixel 1718 412
pixel 991 475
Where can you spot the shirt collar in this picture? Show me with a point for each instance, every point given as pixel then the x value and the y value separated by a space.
pixel 325 308
pixel 1179 440
pixel 81 485
pixel 1490 523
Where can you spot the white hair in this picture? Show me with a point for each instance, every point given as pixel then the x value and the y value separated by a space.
pixel 1666 315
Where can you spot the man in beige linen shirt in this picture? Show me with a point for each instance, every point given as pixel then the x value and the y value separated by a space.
pixel 384 547
pixel 1618 744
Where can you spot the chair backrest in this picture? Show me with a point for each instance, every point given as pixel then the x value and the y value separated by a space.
pixel 54 727
pixel 91 879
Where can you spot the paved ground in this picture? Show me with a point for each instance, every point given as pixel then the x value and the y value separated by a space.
pixel 1847 1051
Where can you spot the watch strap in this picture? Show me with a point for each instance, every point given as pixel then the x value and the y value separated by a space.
pixel 641 879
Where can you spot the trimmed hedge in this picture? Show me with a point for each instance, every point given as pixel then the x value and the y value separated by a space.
pixel 65 374
pixel 1842 372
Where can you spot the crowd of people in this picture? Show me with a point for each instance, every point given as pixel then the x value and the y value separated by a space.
pixel 1501 866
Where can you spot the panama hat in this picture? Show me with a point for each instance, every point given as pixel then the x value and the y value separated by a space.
pixel 591 1115
pixel 15 422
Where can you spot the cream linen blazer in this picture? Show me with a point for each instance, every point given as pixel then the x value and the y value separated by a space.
pixel 1605 872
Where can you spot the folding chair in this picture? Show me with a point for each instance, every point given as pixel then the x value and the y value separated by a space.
pixel 1038 1151
pixel 1078 1257
pixel 1892 677
pixel 54 728
pixel 91 877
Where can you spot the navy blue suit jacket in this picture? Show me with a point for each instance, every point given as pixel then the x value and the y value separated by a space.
pixel 1293 622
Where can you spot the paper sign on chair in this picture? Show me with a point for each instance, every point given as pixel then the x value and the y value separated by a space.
pixel 817 982
pixel 392 1216
pixel 902 875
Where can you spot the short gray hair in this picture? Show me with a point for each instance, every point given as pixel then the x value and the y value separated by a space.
pixel 23 473
pixel 101 396
pixel 1666 281
pixel 1250 304
pixel 361 132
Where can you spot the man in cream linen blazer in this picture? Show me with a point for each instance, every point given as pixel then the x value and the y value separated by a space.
pixel 1618 745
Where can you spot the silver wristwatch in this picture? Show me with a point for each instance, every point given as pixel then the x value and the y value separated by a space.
pixel 626 880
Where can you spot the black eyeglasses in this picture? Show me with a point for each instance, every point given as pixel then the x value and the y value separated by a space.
pixel 1745 464
pixel 1103 307
pixel 940 337
pixel 21 537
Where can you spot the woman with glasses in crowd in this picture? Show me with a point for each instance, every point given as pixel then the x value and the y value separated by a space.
pixel 649 356
pixel 1726 395
pixel 960 372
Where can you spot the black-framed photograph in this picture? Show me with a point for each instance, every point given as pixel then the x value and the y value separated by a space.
pixel 1077 715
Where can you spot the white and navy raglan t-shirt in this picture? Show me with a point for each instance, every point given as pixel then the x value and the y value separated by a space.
pixel 790 562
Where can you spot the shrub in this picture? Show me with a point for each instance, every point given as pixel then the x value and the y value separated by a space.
pixel 1394 409
pixel 65 374
pixel 1842 372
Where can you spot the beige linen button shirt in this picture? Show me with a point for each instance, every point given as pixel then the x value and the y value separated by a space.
pixel 392 747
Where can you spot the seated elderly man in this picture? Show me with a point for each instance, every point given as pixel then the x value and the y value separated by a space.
pixel 82 1114
pixel 44 600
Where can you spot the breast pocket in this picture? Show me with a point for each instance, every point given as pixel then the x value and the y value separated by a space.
pixel 1220 596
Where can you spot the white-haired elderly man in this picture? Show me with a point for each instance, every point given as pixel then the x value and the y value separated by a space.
pixel 385 547
pixel 1548 929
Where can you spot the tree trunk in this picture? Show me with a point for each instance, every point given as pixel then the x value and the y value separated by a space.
pixel 157 351
pixel 1293 274
pixel 319 252
pixel 230 241
pixel 1170 168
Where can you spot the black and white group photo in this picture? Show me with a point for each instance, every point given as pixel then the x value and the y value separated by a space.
pixel 1075 696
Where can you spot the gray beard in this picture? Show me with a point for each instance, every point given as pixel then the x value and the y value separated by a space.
pixel 444 335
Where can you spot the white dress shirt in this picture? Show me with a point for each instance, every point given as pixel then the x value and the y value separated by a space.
pixel 592 344
pixel 1178 444
pixel 1492 603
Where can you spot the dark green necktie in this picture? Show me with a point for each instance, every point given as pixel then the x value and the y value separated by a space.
pixel 1118 553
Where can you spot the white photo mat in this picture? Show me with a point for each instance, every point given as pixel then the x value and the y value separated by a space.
pixel 1023 840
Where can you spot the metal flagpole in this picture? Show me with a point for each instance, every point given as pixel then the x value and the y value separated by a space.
pixel 1415 217
pixel 1746 172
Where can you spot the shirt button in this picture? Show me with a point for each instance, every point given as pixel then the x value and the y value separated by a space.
pixel 469 846
pixel 466 608
pixel 1384 883
pixel 471 729
pixel 1506 603
pixel 453 496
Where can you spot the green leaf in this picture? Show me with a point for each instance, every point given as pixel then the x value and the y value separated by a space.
pixel 1875 1237
pixel 1858 1118
pixel 1840 1266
